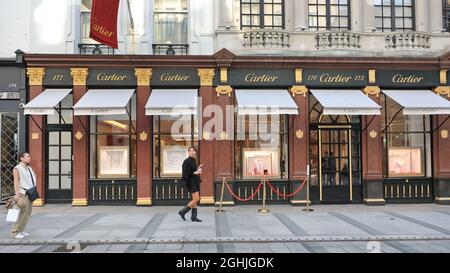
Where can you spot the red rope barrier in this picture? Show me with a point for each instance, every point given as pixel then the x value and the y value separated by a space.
pixel 246 199
pixel 286 195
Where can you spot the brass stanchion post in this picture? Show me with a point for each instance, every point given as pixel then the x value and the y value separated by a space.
pixel 264 209
pixel 308 201
pixel 220 209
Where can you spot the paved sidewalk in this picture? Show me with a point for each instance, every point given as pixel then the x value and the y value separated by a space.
pixel 331 228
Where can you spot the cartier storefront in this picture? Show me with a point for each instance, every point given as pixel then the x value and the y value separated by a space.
pixel 114 130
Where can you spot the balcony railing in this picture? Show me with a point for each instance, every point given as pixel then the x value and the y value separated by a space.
pixel 340 39
pixel 95 49
pixel 408 40
pixel 266 39
pixel 170 49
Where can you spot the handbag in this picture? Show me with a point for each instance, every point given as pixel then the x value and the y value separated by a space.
pixel 13 214
pixel 32 192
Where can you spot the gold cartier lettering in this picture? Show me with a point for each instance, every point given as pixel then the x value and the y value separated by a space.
pixel 399 78
pixel 112 77
pixel 326 78
pixel 253 78
pixel 167 77
pixel 102 30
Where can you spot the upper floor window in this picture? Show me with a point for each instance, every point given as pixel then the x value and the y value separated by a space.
pixel 171 21
pixel 394 15
pixel 86 7
pixel 86 44
pixel 446 13
pixel 329 14
pixel 257 14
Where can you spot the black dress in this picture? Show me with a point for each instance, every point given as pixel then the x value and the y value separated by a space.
pixel 190 180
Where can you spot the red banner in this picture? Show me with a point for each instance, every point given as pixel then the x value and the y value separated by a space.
pixel 104 22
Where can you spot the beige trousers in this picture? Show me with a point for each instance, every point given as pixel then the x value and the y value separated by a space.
pixel 24 216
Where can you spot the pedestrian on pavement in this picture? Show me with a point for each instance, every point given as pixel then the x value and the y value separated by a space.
pixel 24 180
pixel 191 180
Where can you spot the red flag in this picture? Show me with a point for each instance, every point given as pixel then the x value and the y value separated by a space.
pixel 104 22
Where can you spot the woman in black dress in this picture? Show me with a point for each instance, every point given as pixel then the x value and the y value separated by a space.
pixel 191 180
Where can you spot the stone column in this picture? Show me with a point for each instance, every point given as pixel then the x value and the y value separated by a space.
pixel 357 9
pixel 300 15
pixel 206 144
pixel 368 19
pixel 423 15
pixel 299 143
pixel 372 153
pixel 80 142
pixel 36 138
pixel 226 13
pixel 435 15
pixel 224 144
pixel 144 144
pixel 441 148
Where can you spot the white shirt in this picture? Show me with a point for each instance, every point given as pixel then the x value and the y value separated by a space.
pixel 25 181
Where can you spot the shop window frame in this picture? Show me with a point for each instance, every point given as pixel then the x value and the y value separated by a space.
pixel 393 16
pixel 328 16
pixel 261 14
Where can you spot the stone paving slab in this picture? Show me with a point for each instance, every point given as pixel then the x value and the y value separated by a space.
pixel 331 228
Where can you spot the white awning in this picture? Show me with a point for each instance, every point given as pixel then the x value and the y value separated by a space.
pixel 103 102
pixel 419 102
pixel 44 103
pixel 265 102
pixel 346 102
pixel 172 102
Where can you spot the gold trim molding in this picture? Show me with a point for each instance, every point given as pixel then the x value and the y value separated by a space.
pixel 300 201
pixel 223 136
pixel 224 90
pixel 443 76
pixel 144 202
pixel 223 74
pixel 206 76
pixel 143 76
pixel 206 136
pixel 442 198
pixel 372 76
pixel 442 90
pixel 372 91
pixel 299 90
pixel 79 202
pixel 36 75
pixel 207 200
pixel 143 136
pixel 374 200
pixel 79 76
pixel 225 203
pixel 38 203
pixel 299 75
pixel 78 135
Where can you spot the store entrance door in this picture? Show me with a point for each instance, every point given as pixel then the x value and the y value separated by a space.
pixel 334 150
pixel 59 167
pixel 335 159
